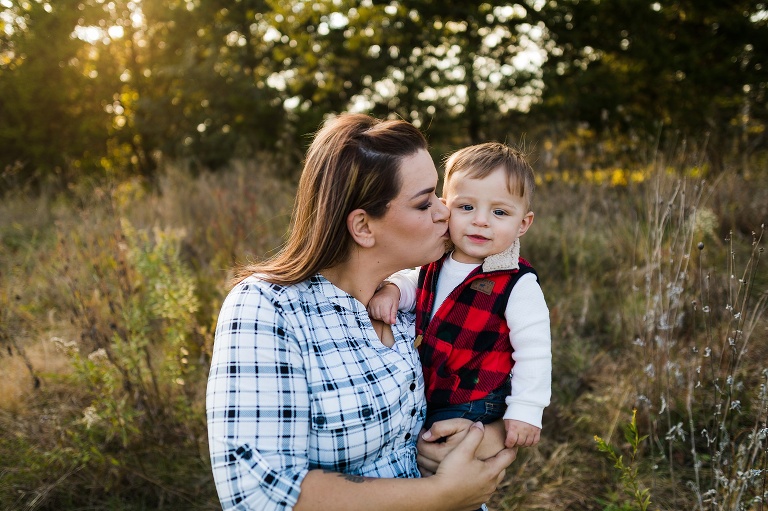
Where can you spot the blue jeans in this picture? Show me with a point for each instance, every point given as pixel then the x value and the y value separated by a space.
pixel 485 410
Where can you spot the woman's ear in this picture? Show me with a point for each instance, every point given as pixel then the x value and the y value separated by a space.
pixel 358 225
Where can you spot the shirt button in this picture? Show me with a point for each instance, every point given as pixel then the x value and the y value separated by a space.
pixel 367 412
pixel 413 386
pixel 320 420
pixel 407 436
pixel 413 412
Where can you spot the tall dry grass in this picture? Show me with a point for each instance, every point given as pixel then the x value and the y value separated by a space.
pixel 109 295
pixel 658 299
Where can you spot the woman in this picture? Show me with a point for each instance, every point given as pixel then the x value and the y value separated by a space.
pixel 310 404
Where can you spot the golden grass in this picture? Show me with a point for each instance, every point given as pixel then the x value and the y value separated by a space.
pixel 17 385
pixel 597 243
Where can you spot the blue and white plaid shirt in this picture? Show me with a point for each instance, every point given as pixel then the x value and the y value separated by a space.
pixel 299 380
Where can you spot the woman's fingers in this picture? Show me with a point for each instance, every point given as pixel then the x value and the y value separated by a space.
pixel 453 429
pixel 470 480
pixel 471 441
pixel 503 458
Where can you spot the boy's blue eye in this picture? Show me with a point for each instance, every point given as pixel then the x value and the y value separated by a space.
pixel 466 207
pixel 499 212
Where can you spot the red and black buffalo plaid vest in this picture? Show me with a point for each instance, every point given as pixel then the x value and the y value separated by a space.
pixel 465 349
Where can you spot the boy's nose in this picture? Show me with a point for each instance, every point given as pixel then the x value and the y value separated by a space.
pixel 480 219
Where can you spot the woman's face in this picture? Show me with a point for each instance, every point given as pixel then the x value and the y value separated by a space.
pixel 414 229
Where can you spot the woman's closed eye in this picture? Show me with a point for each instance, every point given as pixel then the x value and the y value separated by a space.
pixel 425 206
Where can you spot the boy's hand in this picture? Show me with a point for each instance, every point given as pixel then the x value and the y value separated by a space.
pixel 521 434
pixel 383 305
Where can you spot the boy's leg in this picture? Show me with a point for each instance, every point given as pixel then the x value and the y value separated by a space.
pixel 486 410
pixel 441 413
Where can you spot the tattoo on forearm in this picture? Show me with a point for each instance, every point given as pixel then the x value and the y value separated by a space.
pixel 349 477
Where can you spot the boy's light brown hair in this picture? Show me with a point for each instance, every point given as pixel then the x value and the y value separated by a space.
pixel 478 161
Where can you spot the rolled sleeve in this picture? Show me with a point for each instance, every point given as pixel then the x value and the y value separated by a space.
pixel 257 404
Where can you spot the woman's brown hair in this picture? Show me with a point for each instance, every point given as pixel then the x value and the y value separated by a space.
pixel 353 162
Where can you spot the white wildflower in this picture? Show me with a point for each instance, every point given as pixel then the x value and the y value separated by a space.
pixel 90 417
pixel 100 355
pixel 676 431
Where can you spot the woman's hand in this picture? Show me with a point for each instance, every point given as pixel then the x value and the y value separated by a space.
pixel 436 443
pixel 462 482
pixel 466 479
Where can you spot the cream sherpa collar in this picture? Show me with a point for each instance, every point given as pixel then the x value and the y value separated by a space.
pixel 506 260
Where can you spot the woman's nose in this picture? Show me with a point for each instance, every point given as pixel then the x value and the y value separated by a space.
pixel 440 212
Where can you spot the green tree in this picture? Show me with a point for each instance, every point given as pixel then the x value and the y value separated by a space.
pixel 111 87
pixel 449 68
pixel 641 67
pixel 330 55
pixel 201 76
pixel 463 72
pixel 52 120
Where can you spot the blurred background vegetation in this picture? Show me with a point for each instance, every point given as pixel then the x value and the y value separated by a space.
pixel 146 147
pixel 94 87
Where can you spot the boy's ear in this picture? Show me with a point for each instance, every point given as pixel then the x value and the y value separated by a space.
pixel 526 223
pixel 358 225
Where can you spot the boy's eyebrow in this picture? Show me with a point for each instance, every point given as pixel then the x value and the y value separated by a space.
pixel 494 200
pixel 423 192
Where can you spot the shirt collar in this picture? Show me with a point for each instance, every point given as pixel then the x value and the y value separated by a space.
pixel 321 286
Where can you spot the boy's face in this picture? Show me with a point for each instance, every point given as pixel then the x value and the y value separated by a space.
pixel 486 218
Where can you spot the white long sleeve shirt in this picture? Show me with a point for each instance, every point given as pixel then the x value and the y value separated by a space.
pixel 527 316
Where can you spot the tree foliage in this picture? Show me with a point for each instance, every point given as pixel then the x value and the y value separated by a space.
pixel 643 66
pixel 49 103
pixel 88 86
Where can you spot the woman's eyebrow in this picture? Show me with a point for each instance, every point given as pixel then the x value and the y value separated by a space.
pixel 425 191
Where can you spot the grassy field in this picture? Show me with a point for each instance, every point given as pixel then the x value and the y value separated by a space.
pixel 655 278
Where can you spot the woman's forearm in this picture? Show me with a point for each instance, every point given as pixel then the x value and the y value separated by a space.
pixel 323 490
pixel 462 482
